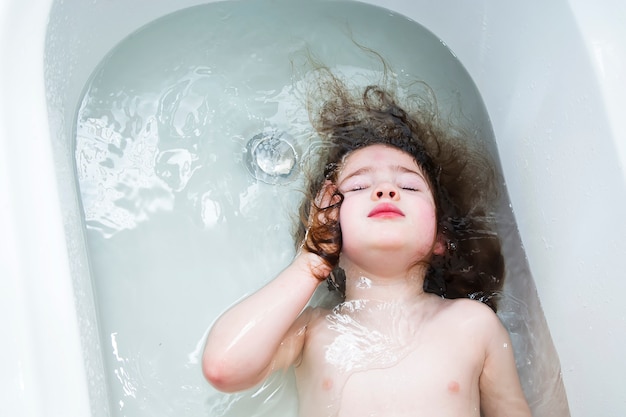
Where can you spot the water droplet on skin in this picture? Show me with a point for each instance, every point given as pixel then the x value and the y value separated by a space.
pixel 364 283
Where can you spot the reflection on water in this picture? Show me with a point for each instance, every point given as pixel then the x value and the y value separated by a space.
pixel 161 152
pixel 370 335
pixel 178 229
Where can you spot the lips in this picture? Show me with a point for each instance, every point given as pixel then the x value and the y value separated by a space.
pixel 385 210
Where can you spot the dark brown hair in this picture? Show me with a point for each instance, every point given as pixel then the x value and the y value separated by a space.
pixel 462 179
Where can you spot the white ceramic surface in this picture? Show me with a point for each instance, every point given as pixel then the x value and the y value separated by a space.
pixel 551 76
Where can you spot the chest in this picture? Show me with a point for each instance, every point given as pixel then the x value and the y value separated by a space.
pixel 394 368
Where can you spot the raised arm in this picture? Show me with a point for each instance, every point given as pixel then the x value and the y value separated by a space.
pixel 501 393
pixel 264 332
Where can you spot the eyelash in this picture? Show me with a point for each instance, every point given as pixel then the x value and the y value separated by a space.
pixel 358 188
pixel 363 187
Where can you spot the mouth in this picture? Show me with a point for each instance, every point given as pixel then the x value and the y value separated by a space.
pixel 385 210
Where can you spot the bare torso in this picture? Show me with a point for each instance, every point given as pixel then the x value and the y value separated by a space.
pixel 381 359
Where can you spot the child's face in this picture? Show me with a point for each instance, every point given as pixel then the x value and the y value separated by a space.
pixel 388 207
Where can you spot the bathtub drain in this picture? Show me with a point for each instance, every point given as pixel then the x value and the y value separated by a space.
pixel 271 158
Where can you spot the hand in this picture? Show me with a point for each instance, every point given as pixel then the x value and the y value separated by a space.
pixel 323 235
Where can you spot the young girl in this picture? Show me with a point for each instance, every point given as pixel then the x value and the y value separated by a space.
pixel 397 224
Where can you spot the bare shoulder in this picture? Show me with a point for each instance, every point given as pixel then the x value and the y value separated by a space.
pixel 474 313
pixel 316 316
pixel 295 341
pixel 467 305
pixel 309 319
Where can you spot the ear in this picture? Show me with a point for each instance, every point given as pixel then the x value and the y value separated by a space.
pixel 440 245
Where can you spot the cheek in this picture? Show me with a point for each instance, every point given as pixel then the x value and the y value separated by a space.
pixel 425 225
pixel 350 230
pixel 430 219
pixel 344 220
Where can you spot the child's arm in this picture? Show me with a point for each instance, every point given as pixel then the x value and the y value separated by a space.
pixel 264 332
pixel 501 393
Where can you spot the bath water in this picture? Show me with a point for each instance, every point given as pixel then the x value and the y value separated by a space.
pixel 179 227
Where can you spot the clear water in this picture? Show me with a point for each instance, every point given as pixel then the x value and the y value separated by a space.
pixel 178 229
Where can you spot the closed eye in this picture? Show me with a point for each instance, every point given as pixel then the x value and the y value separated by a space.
pixel 355 183
pixel 410 181
pixel 357 188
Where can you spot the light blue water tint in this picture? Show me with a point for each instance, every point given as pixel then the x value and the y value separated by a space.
pixel 188 145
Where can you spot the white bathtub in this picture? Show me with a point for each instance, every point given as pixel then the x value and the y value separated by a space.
pixel 550 73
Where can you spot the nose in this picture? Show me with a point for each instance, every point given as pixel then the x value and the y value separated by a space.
pixel 386 190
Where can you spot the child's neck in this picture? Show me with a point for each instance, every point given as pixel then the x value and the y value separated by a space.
pixel 406 286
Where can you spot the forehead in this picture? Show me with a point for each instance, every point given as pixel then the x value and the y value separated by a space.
pixel 377 155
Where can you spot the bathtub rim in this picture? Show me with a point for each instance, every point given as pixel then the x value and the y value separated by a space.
pixel 45 375
pixel 40 114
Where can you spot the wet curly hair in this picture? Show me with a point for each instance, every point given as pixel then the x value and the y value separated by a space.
pixel 461 176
